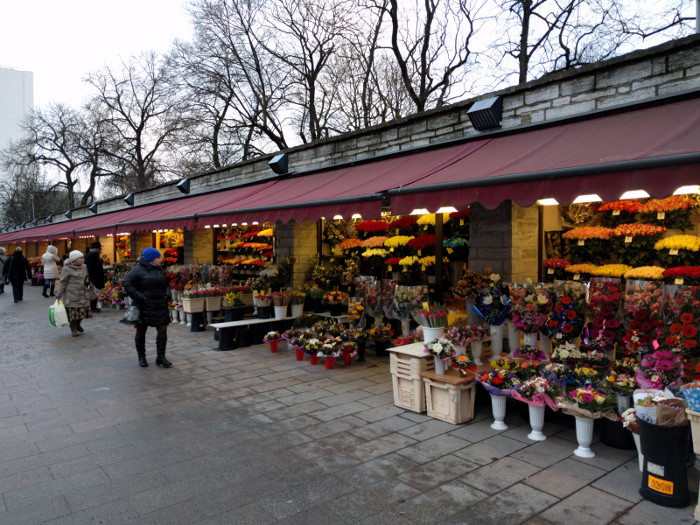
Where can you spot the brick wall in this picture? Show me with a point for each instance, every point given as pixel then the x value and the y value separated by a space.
pixel 139 241
pixel 203 246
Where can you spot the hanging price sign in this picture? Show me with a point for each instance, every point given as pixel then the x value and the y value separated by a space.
pixel 628 239
pixel 550 271
pixel 581 242
pixel 449 250
pixel 679 280
pixel 419 252
pixel 389 268
pixel 577 277
pixel 461 222
pixel 673 252
pixel 616 212
pixel 661 215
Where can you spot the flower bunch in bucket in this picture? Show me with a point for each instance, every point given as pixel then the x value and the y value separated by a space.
pixel 464 363
pixel 493 301
pixel 280 298
pixel 659 370
pixel 434 316
pixel 498 382
pixel 530 307
pixel 440 347
pixel 538 391
pixel 272 337
pixel 529 352
pixel 233 298
pixel 591 402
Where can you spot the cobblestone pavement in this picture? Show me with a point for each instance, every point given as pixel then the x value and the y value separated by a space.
pixel 246 436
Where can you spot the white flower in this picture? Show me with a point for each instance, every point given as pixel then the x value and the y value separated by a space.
pixel 437 348
pixel 530 298
pixel 488 299
pixel 495 277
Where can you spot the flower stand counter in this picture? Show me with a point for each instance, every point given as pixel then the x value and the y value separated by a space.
pixel 449 396
pixel 406 364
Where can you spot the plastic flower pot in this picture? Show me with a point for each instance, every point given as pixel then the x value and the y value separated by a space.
pixel 234 314
pixel 513 336
pixel 280 312
pixel 313 359
pixel 330 361
pixel 498 406
pixel 346 359
pixel 584 436
pixel 430 333
pixel 336 309
pixel 536 422
pixel 273 346
pixel 300 354
pixel 476 352
pixel 297 310
pixel 496 332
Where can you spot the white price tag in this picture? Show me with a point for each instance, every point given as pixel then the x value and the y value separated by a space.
pixel 661 215
pixel 550 271
pixel 577 277
pixel 616 212
pixel 679 280
pixel 673 251
pixel 581 242
pixel 628 239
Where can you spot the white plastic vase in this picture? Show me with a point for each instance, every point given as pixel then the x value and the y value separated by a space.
pixel 498 406
pixel 99 305
pixel 623 402
pixel 584 436
pixel 280 312
pixel 173 316
pixel 461 349
pixel 536 422
pixel 545 344
pixel 297 310
pixel 439 366
pixel 530 338
pixel 210 317
pixel 476 352
pixel 496 333
pixel 188 318
pixel 183 316
pixel 430 333
pixel 405 327
pixel 513 336
pixel 640 456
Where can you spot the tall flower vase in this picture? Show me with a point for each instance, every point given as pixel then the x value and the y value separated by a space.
pixel 476 352
pixel 496 332
pixel 545 345
pixel 584 436
pixel 513 337
pixel 498 406
pixel 471 314
pixel 405 327
pixel 623 402
pixel 188 318
pixel 183 317
pixel 210 317
pixel 173 316
pixel 430 333
pixel 530 338
pixel 461 349
pixel 640 456
pixel 439 366
pixel 536 422
pixel 297 310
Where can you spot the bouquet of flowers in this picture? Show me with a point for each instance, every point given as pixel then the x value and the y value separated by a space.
pixel 565 351
pixel 306 321
pixel 672 212
pixel 529 369
pixel 434 316
pixel 263 299
pixel 297 297
pixel 554 268
pixel 642 315
pixel 470 284
pixel 349 347
pixel 464 363
pixel 407 299
pixel 604 301
pixel 565 321
pixel 506 364
pixel 498 382
pixel 529 352
pixel 619 383
pixel 594 359
pixel 313 346
pixel 493 301
pixel 272 337
pixel 689 275
pixel 330 348
pixel 585 375
pixel 530 308
pixel 588 402
pixel 335 297
pixel 459 335
pixel 555 372
pixel 295 338
pixel 280 298
pixel 371 292
pixel 234 299
pixel 538 391
pixel 380 331
pixel 356 310
pixel 357 335
pixel 440 348
pixel 659 370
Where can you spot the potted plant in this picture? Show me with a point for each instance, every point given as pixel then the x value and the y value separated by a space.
pixel 381 335
pixel 329 350
pixel 193 301
pixel 335 300
pixel 358 336
pixel 280 301
pixel 433 320
pixel 348 349
pixel 464 363
pixel 460 337
pixel 441 349
pixel 493 307
pixel 297 301
pixel 264 304
pixel 296 340
pixel 312 347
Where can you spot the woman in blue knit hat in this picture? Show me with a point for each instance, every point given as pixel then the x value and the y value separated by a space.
pixel 147 285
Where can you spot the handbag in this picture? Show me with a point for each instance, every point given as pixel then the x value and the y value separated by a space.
pixel 131 316
pixel 92 292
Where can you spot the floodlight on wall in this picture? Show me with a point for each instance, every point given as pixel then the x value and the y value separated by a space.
pixel 337 217
pixel 35 222
pixel 447 209
pixel 548 202
pixel 419 211
pixel 49 219
pixel 93 208
pixel 69 214
pixel 685 190
pixel 486 114
pixel 634 194
pixel 184 186
pixel 356 216
pixel 581 199
pixel 129 199
pixel 279 163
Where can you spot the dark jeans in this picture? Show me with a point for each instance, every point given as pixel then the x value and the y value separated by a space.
pixel 17 289
pixel 93 305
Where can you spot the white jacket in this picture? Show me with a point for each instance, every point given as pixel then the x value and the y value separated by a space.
pixel 49 260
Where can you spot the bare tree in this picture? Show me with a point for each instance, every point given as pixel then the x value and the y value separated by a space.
pixel 142 120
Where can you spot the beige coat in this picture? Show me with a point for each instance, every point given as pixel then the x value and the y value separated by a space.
pixel 50 260
pixel 72 290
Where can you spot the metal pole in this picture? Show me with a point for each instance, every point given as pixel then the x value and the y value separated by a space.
pixel 32 197
pixel 697 16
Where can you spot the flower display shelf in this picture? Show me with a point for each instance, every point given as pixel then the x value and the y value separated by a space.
pixel 449 397
pixel 406 364
pixel 192 306
pixel 213 304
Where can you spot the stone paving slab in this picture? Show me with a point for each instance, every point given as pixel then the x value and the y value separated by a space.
pixel 247 436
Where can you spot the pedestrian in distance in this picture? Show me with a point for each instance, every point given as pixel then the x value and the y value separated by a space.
pixel 50 260
pixel 96 272
pixel 3 258
pixel 17 270
pixel 147 285
pixel 72 290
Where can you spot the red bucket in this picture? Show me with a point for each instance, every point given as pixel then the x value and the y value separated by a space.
pixel 300 354
pixel 346 359
pixel 329 363
pixel 273 347
pixel 313 359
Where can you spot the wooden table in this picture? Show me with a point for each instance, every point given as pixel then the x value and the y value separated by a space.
pixel 449 396
pixel 406 363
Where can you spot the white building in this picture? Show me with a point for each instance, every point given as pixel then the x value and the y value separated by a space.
pixel 16 100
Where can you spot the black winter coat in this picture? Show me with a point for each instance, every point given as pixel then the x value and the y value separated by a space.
pixel 95 268
pixel 147 284
pixel 17 268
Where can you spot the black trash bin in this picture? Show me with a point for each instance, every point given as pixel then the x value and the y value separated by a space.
pixel 665 478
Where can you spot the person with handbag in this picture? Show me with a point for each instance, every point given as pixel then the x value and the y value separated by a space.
pixel 3 259
pixel 73 291
pixel 50 260
pixel 96 272
pixel 146 283
pixel 17 270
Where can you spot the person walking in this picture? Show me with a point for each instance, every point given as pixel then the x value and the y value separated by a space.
pixel 147 285
pixel 3 258
pixel 72 290
pixel 96 272
pixel 50 260
pixel 17 270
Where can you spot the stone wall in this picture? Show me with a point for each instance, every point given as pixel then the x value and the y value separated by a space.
pixel 664 70
pixel 203 246
pixel 524 247
pixel 491 239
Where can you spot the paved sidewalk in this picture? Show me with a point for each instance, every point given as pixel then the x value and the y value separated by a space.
pixel 246 436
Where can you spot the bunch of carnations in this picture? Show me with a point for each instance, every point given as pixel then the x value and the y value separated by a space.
pixel 272 337
pixel 459 335
pixel 440 348
pixel 590 400
pixel 464 363
pixel 529 352
pixel 659 370
pixel 530 307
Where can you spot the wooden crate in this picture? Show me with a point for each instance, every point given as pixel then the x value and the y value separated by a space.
pixel 405 364
pixel 449 397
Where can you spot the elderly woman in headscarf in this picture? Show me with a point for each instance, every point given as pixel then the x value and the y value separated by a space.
pixel 50 260
pixel 72 290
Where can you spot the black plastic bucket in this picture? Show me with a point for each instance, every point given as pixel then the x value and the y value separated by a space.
pixel 665 478
pixel 614 435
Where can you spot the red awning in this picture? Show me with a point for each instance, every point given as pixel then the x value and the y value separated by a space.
pixel 655 149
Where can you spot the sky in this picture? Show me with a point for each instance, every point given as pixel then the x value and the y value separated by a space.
pixel 61 41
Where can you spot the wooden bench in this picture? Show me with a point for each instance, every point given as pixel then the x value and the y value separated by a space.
pixel 235 334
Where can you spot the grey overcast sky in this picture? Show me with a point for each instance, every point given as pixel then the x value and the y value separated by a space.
pixel 62 41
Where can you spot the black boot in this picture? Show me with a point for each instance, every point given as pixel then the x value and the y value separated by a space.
pixel 141 350
pixel 43 292
pixel 51 294
pixel 160 348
